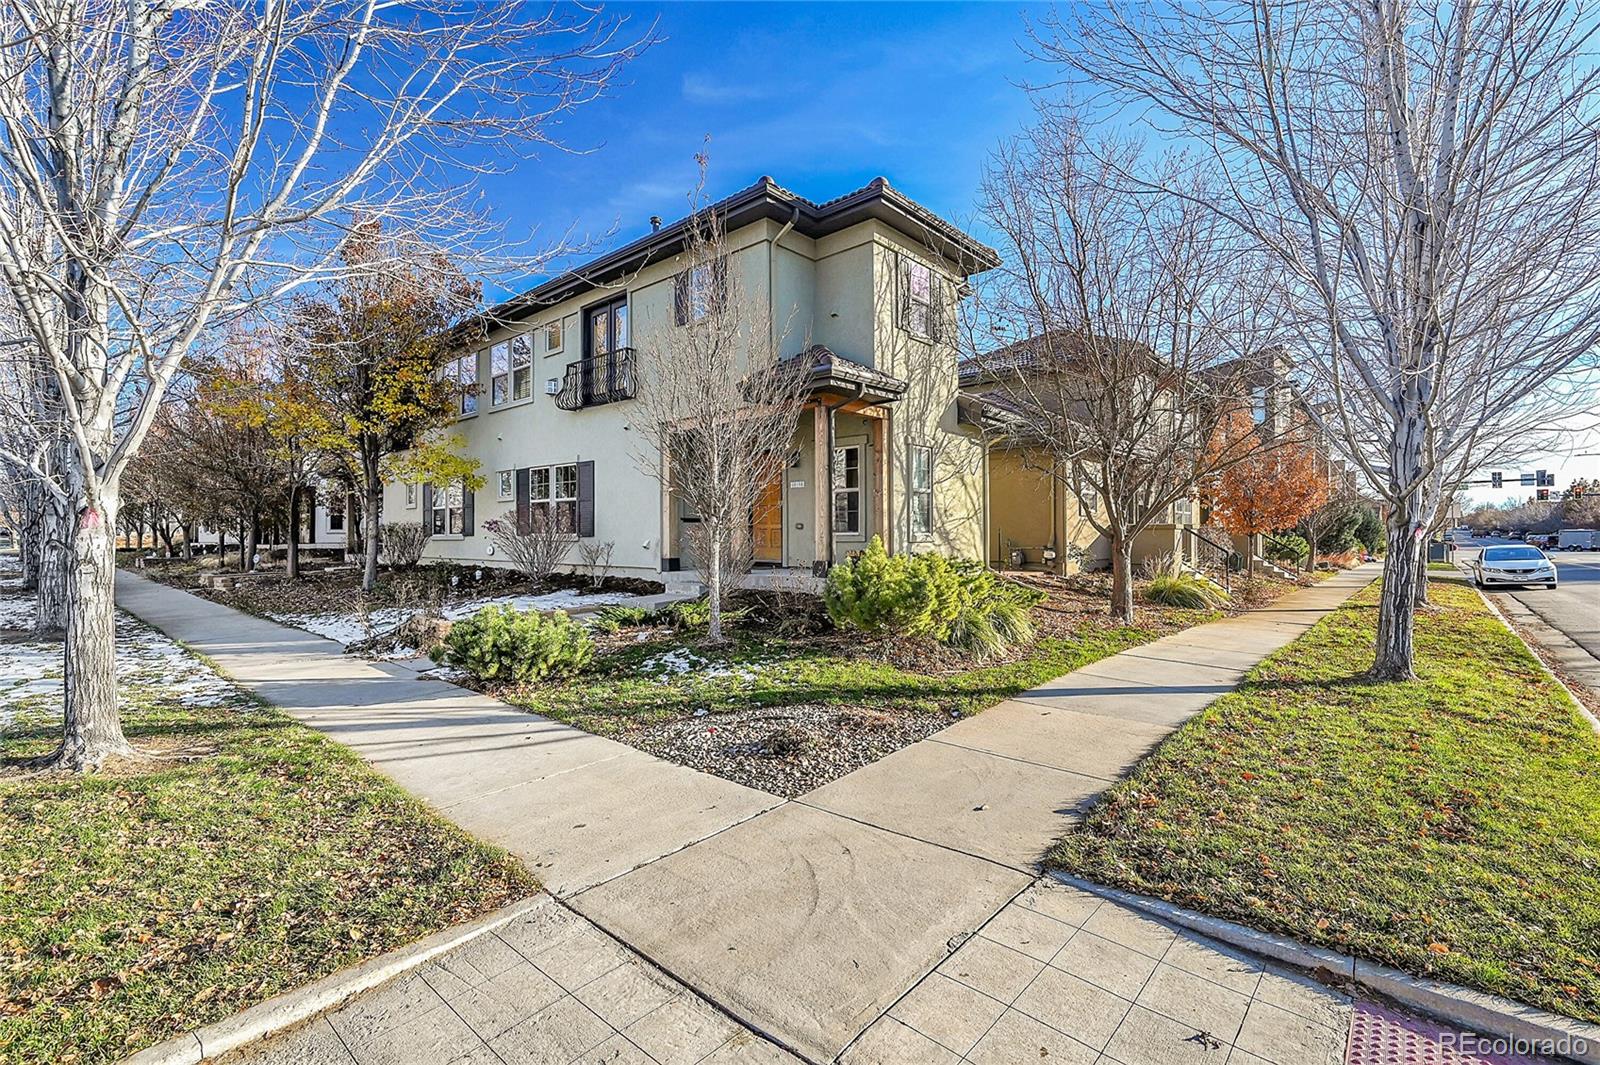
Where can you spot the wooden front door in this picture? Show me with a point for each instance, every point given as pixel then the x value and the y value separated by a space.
pixel 766 521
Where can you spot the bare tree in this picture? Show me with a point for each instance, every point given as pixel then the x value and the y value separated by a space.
pixel 718 408
pixel 1425 175
pixel 189 163
pixel 534 543
pixel 1129 330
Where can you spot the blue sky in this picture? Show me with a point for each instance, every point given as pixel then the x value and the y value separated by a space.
pixel 823 97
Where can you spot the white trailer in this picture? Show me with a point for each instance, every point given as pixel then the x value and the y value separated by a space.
pixel 1579 540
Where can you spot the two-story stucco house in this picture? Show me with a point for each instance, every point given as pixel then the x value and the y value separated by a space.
pixel 864 289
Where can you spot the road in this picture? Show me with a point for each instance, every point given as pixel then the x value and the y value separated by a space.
pixel 1572 608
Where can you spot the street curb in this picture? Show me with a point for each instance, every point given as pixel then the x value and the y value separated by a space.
pixel 1531 621
pixel 1477 1011
pixel 303 1003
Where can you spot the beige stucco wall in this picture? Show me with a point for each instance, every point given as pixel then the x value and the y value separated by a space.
pixel 1031 510
pixel 838 291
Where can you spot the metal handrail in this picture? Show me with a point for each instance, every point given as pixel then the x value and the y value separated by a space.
pixel 595 379
pixel 1221 554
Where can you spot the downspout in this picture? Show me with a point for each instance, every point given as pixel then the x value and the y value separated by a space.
pixel 772 284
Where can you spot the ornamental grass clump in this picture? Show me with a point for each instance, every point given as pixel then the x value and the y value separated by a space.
pixel 1187 591
pixel 501 644
pixel 960 604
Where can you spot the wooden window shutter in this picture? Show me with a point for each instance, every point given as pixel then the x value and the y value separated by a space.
pixel 524 515
pixel 427 507
pixel 680 297
pixel 467 496
pixel 586 498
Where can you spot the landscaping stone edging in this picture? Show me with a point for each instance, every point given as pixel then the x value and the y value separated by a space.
pixel 1477 1011
pixel 303 1003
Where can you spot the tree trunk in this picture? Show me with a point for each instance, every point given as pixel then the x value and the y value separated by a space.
pixel 714 587
pixel 369 521
pixel 30 537
pixel 92 729
pixel 1122 579
pixel 55 555
pixel 1420 598
pixel 1311 551
pixel 293 545
pixel 252 544
pixel 1396 651
pixel 188 541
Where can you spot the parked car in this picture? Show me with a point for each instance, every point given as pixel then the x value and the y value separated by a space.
pixel 1513 564
pixel 1579 540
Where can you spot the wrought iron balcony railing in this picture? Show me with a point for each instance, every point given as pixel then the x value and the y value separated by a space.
pixel 596 379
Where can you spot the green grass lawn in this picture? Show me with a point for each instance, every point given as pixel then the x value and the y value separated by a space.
pixel 761 670
pixel 1449 827
pixel 161 896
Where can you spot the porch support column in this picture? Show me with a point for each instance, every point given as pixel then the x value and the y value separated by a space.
pixel 822 464
pixel 666 548
pixel 880 481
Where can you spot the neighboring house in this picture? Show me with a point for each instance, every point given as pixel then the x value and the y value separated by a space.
pixel 326 524
pixel 1038 517
pixel 863 288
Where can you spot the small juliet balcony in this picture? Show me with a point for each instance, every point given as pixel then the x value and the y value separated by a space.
pixel 595 379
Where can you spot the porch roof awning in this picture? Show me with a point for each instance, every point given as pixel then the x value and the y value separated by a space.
pixel 830 373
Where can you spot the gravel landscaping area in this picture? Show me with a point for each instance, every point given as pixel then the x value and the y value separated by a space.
pixel 784 750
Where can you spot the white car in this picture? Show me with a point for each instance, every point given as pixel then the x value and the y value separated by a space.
pixel 1514 564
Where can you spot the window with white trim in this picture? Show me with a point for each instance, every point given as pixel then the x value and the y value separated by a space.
pixel 1183 512
pixel 507 480
pixel 847 489
pixel 335 505
pixel 1088 501
pixel 448 517
pixel 921 492
pixel 553 494
pixel 463 372
pixel 411 497
pixel 511 370
pixel 553 338
pixel 919 316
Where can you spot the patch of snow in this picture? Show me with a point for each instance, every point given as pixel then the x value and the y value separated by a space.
pixel 347 627
pixel 682 662
pixel 146 660
pixel 567 599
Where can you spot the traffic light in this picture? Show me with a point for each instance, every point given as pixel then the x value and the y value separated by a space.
pixel 1576 491
pixel 1495 479
pixel 1543 495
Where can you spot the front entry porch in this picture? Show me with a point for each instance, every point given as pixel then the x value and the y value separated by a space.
pixel 835 490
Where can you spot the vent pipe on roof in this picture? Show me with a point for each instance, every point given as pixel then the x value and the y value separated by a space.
pixel 655 223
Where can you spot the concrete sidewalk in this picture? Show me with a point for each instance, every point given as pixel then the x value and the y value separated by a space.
pixel 807 920
pixel 577 808
pixel 810 921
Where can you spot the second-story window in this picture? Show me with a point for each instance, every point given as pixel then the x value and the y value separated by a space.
pixel 918 314
pixel 511 370
pixel 699 290
pixel 463 372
